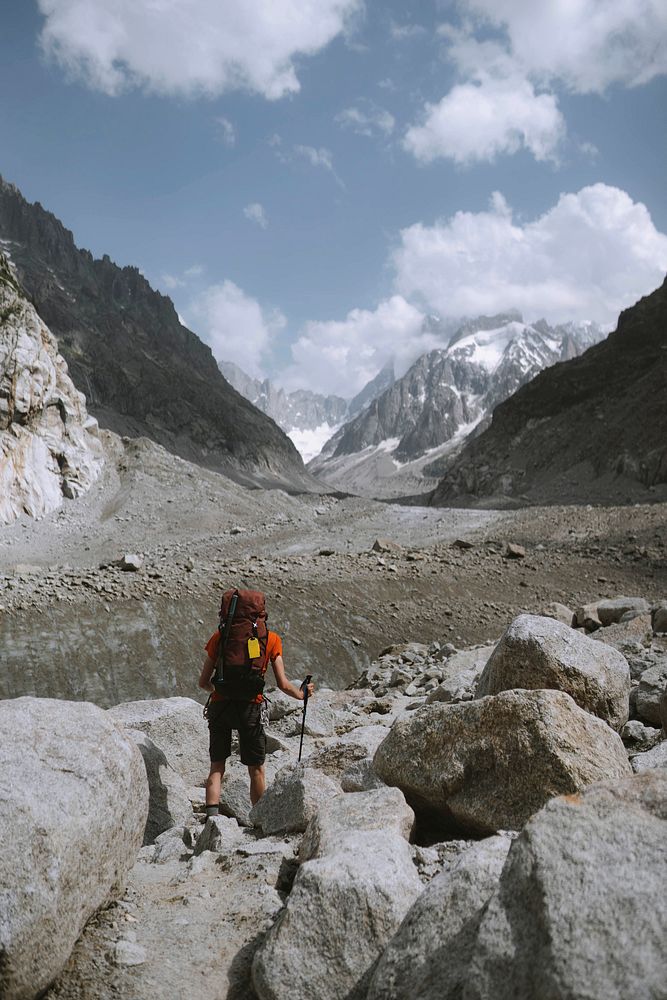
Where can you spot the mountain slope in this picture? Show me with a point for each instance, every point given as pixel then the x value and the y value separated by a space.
pixel 584 429
pixel 442 398
pixel 142 371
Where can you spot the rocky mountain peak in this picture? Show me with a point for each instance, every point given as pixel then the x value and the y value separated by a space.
pixel 48 443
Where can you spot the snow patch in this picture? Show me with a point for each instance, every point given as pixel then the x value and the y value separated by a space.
pixel 309 442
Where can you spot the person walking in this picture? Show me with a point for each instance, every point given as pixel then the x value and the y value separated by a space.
pixel 237 658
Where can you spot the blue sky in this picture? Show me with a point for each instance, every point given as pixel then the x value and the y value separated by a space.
pixel 309 180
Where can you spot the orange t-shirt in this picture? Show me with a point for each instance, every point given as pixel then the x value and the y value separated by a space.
pixel 274 649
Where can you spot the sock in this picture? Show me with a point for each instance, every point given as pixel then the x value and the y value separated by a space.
pixel 212 811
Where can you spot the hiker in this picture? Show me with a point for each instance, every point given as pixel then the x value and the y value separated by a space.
pixel 234 678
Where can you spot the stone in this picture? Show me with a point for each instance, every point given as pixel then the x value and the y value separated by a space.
pixel 428 957
pixel 652 686
pixel 49 445
pixel 342 911
pixel 586 617
pixel 561 613
pixel 169 799
pixel 585 870
pixel 488 765
pixel 129 953
pixel 131 562
pixel 635 732
pixel 385 545
pixel 627 636
pixel 235 799
pixel 220 835
pixel 360 744
pixel 383 810
pixel 537 653
pixel 656 757
pixel 659 617
pixel 462 543
pixel 514 551
pixel 612 610
pixel 281 705
pixel 360 777
pixel 171 845
pixel 176 726
pixel 289 803
pixel 321 720
pixel 73 808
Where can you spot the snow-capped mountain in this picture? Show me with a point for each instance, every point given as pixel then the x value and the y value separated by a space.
pixel 308 418
pixel 394 445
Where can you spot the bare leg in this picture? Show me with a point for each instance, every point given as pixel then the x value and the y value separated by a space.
pixel 257 783
pixel 214 782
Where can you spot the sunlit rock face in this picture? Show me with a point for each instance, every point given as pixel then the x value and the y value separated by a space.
pixel 49 447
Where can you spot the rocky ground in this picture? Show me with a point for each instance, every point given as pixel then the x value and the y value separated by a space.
pixel 439 575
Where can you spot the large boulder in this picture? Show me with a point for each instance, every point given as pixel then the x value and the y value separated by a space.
pixel 539 653
pixel 428 957
pixel 73 807
pixel 383 810
pixel 581 911
pixel 652 686
pixel 169 803
pixel 292 799
pixel 342 910
pixel 655 757
pixel 489 764
pixel 612 610
pixel 176 726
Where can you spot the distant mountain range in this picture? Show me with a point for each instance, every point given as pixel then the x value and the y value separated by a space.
pixel 593 428
pixel 308 418
pixel 142 371
pixel 397 444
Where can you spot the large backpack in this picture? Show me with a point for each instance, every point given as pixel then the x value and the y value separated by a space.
pixel 239 670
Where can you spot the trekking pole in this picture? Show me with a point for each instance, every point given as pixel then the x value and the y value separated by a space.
pixel 304 688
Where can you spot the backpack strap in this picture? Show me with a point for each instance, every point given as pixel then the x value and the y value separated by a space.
pixel 224 628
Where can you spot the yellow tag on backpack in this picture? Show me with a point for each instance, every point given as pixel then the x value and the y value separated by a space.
pixel 254 650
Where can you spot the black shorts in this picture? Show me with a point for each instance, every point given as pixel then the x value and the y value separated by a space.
pixel 245 717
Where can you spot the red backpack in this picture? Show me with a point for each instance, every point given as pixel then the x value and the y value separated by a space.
pixel 239 668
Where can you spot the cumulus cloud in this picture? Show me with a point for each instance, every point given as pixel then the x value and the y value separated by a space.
pixel 341 356
pixel 367 118
pixel 190 47
pixel 587 45
pixel 318 158
pixel 173 281
pixel 255 213
pixel 487 117
pixel 235 326
pixel 591 255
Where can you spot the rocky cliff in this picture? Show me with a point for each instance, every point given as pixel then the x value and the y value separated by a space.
pixel 49 447
pixel 142 371
pixel 582 429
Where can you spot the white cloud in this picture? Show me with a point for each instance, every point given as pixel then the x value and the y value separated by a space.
pixel 173 281
pixel 321 157
pixel 235 326
pixel 367 118
pixel 588 45
pixel 255 213
pixel 190 47
pixel 341 356
pixel 227 131
pixel 591 255
pixel 487 117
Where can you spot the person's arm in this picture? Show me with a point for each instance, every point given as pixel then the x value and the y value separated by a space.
pixel 284 685
pixel 206 674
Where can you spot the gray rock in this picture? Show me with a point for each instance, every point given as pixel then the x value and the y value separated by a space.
pixel 659 617
pixel 170 846
pixel 538 653
pixel 235 799
pixel 361 777
pixel 129 953
pixel 635 733
pixel 627 636
pixel 169 802
pixel 176 726
pixel 428 957
pixel 561 613
pixel 320 720
pixel 74 802
pixel 384 810
pixel 339 916
pixel 292 799
pixel 131 562
pixel 488 765
pixel 652 686
pixel 385 545
pixel 220 835
pixel 656 757
pixel 281 705
pixel 514 551
pixel 583 872
pixel 612 610
pixel 586 617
